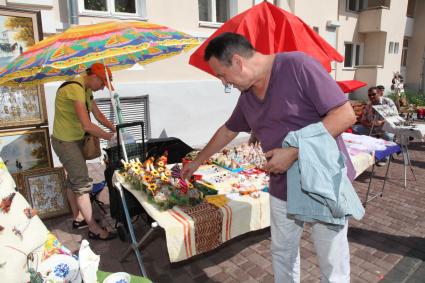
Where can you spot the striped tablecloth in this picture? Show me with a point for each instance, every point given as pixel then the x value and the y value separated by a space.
pixel 194 230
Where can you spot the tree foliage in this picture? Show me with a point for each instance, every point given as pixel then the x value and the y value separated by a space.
pixel 23 27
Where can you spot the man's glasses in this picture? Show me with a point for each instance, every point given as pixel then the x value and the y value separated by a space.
pixel 371 94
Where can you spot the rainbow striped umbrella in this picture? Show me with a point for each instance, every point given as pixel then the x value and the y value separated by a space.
pixel 118 45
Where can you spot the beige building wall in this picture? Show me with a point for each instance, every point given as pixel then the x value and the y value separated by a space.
pixel 416 52
pixel 347 33
pixel 395 33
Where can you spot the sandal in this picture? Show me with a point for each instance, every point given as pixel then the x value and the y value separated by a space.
pixel 81 224
pixel 94 236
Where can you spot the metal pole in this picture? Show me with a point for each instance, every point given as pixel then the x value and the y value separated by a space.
pixel 131 230
pixel 114 107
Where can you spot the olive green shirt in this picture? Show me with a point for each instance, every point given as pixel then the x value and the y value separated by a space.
pixel 67 126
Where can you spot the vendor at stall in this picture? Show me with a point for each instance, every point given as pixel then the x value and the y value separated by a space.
pixel 371 122
pixel 73 104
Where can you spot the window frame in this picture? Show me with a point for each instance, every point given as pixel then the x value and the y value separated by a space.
pixel 411 5
pixel 356 55
pixel 391 47
pixel 404 52
pixel 103 103
pixel 358 4
pixel 213 22
pixel 396 47
pixel 110 4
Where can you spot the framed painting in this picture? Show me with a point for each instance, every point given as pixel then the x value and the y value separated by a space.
pixel 17 177
pixel 26 150
pixel 20 107
pixel 45 189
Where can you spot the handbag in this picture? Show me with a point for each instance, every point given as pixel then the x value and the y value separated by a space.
pixel 91 148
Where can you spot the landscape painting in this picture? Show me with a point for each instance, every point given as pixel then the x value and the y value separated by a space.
pixel 25 150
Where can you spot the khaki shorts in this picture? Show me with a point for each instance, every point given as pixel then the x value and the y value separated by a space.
pixel 71 156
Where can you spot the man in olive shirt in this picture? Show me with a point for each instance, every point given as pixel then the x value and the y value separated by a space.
pixel 74 102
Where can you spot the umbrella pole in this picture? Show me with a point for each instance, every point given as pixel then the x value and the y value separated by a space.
pixel 115 104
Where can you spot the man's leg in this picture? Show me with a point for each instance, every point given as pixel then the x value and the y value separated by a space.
pixel 361 130
pixel 286 235
pixel 332 249
pixel 388 137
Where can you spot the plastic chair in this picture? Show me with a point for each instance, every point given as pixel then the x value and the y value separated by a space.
pixel 96 189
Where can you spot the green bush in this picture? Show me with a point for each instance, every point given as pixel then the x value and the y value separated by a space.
pixel 416 98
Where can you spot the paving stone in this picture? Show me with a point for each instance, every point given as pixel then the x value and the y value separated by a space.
pixel 212 270
pixel 221 277
pixel 356 270
pixel 238 259
pixel 267 279
pixel 247 265
pixel 269 269
pixel 227 265
pixel 201 279
pixel 370 276
pixel 257 272
pixel 259 260
pixel 231 280
pixel 240 274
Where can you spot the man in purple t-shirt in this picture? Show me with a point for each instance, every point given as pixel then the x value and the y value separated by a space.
pixel 282 93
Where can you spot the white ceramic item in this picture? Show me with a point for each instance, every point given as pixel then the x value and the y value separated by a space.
pixel 119 277
pixel 61 268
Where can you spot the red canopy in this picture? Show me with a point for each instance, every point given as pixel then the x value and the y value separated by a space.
pixel 349 86
pixel 271 30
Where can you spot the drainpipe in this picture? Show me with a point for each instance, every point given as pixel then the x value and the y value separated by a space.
pixel 72 12
pixel 337 38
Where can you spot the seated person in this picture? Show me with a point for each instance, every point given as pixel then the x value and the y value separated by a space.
pixel 371 121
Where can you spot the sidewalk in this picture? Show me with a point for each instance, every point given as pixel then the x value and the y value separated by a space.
pixel 387 245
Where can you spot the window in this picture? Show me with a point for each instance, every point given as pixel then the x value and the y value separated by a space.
pixel 411 8
pixel 396 47
pixel 352 55
pixel 134 108
pixel 214 11
pixel 404 52
pixel 356 5
pixel 112 7
pixel 391 47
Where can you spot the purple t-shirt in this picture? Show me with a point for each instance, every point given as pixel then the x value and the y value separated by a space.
pixel 300 93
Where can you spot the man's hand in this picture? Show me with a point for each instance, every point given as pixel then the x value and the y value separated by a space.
pixel 188 169
pixel 280 159
pixel 378 123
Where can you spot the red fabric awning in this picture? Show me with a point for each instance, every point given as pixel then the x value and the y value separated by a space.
pixel 271 30
pixel 349 86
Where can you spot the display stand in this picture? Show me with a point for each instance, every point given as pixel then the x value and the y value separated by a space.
pixel 379 155
pixel 403 130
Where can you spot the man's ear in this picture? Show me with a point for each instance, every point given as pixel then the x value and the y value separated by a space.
pixel 237 61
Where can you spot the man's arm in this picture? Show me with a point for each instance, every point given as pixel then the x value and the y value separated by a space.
pixel 220 139
pixel 336 121
pixel 363 120
pixel 101 118
pixel 88 126
pixel 339 119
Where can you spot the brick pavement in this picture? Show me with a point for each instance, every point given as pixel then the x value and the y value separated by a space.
pixel 388 244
